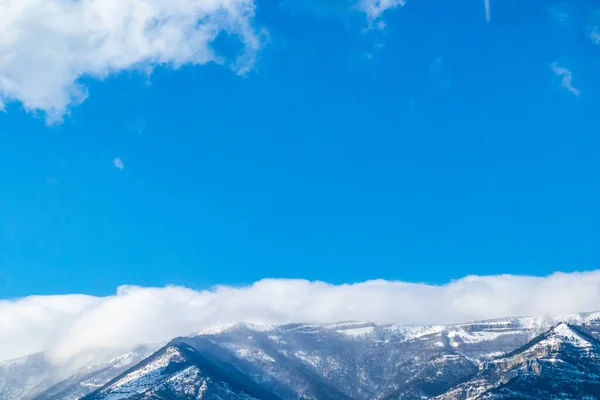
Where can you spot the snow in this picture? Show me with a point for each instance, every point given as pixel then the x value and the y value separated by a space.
pixel 307 328
pixel 479 336
pixel 312 360
pixel 140 379
pixel 592 317
pixel 277 339
pixel 348 325
pixel 214 330
pixel 357 332
pixel 564 332
pixel 248 353
pixel 218 329
pixel 412 332
pixel 494 354
pixel 202 389
pixel 447 357
pixel 122 360
pixel 483 341
pixel 184 382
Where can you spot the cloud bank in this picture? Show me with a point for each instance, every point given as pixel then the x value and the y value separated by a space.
pixel 48 46
pixel 65 326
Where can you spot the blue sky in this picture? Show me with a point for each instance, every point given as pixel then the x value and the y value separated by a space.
pixel 438 146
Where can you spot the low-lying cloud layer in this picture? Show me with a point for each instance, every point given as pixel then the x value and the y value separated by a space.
pixel 64 326
pixel 48 46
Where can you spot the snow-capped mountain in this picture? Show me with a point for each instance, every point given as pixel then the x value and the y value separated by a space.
pixel 180 371
pixel 560 364
pixel 37 377
pixel 481 360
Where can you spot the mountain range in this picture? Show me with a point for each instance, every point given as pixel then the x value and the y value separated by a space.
pixel 511 358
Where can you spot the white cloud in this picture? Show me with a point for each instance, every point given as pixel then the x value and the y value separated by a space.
pixel 21 321
pixel 65 326
pixel 48 46
pixel 118 163
pixel 595 34
pixel 561 14
pixel 375 8
pixel 566 78
pixel 488 11
pixel 372 8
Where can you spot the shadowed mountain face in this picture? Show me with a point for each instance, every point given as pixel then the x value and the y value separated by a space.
pixel 520 358
pixel 178 371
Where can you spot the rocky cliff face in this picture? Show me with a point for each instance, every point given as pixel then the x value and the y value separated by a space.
pixel 562 363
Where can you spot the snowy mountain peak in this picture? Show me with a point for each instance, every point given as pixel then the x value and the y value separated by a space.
pixel 561 363
pixel 566 335
pixel 552 345
pixel 218 329
pixel 146 375
pixel 572 335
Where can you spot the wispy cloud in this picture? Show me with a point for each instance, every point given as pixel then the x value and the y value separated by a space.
pixel 118 163
pixel 138 126
pixel 48 45
pixel 377 47
pixel 595 34
pixel 488 11
pixel 64 326
pixel 375 9
pixel 566 78
pixel 561 12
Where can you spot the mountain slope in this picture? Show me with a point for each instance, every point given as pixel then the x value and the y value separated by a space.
pixel 435 377
pixel 26 376
pixel 362 361
pixel 178 371
pixel 86 380
pixel 560 364
pixel 352 360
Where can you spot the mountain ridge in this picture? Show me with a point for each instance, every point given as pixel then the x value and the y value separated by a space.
pixel 346 360
pixel 560 363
